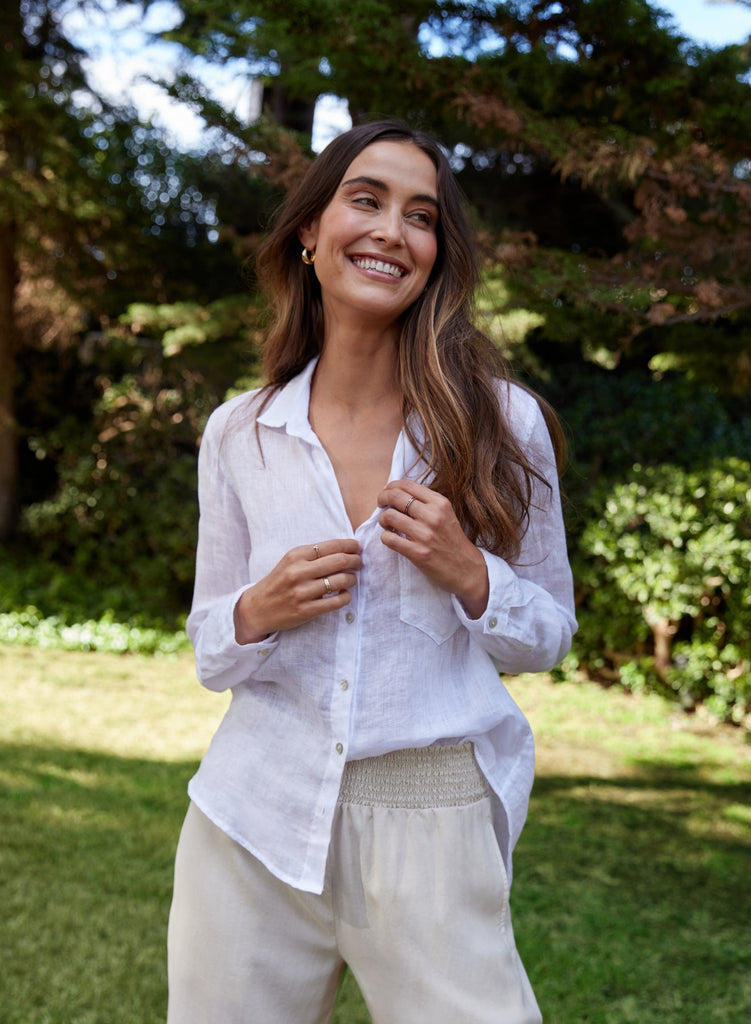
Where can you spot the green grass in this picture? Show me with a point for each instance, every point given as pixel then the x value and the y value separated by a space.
pixel 631 894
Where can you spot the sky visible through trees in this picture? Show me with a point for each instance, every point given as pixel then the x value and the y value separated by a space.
pixel 122 56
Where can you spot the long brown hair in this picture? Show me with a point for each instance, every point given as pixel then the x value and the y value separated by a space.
pixel 449 372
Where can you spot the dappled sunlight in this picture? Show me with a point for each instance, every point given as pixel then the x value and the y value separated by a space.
pixel 630 890
pixel 128 705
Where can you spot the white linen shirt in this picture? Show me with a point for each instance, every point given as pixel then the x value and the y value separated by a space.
pixel 401 666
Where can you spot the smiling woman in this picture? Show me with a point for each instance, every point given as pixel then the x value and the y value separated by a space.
pixel 375 242
pixel 380 532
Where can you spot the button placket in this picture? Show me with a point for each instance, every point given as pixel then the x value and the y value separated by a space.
pixel 344 668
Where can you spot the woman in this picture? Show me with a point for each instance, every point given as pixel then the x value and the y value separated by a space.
pixel 380 532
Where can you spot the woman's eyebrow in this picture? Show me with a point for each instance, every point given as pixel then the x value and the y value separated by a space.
pixel 363 179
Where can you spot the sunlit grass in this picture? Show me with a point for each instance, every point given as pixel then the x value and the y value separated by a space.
pixel 630 897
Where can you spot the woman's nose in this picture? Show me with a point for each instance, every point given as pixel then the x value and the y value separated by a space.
pixel 389 226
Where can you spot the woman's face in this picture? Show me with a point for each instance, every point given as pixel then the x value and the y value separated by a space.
pixel 375 242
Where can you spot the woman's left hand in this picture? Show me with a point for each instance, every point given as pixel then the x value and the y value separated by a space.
pixel 421 525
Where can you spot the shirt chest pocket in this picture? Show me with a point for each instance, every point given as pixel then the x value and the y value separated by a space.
pixel 424 605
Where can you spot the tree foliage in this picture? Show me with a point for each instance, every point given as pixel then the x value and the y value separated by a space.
pixel 610 159
pixel 666 569
pixel 97 211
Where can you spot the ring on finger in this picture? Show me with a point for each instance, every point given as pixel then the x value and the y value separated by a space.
pixel 318 553
pixel 406 507
pixel 327 585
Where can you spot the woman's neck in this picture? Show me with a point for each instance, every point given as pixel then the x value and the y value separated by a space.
pixel 357 371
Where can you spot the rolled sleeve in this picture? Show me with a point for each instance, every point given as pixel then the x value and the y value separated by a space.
pixel 529 621
pixel 222 573
pixel 522 628
pixel 221 662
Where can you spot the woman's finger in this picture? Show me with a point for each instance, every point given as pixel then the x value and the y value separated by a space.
pixel 325 586
pixel 323 548
pixel 399 494
pixel 291 593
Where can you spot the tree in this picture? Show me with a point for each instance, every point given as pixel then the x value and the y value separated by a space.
pixel 96 211
pixel 608 158
pixel 45 189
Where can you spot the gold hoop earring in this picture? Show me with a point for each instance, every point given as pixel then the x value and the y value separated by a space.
pixel 309 256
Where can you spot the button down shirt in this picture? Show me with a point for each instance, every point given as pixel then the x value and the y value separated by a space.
pixel 401 666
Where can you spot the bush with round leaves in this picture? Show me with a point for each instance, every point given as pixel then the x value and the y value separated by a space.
pixel 664 567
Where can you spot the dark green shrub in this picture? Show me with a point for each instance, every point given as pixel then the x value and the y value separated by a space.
pixel 113 528
pixel 656 611
pixel 124 511
pixel 615 420
pixel 664 567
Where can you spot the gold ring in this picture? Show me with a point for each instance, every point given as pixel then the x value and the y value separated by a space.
pixel 406 507
pixel 327 584
pixel 318 553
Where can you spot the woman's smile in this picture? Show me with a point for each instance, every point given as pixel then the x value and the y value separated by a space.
pixel 375 242
pixel 379 266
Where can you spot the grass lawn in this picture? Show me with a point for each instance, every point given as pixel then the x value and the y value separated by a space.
pixel 631 893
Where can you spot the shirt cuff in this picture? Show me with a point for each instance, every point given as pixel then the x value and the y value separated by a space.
pixel 258 647
pixel 504 594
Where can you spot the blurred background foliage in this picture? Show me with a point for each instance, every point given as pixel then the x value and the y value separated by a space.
pixel 606 162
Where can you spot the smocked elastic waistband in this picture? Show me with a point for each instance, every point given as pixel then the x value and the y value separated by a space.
pixel 417 777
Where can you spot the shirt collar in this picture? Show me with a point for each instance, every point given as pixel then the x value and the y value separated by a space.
pixel 289 406
pixel 289 409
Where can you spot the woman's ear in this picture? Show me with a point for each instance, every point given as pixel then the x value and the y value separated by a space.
pixel 308 234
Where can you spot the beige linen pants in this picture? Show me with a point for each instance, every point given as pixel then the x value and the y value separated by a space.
pixel 416 902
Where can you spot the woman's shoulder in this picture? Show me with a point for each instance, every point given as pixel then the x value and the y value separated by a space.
pixel 519 406
pixel 238 411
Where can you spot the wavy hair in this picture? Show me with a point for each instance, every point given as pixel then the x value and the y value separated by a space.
pixel 448 371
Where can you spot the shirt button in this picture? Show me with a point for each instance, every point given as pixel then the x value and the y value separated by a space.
pixel 339 748
pixel 493 622
pixel 262 651
pixel 350 617
pixel 344 684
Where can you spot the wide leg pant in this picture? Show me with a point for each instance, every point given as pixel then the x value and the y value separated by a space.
pixel 416 902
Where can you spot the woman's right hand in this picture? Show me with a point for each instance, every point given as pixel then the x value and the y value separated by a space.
pixel 295 590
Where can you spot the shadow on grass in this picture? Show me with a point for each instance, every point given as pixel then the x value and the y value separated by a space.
pixel 86 859
pixel 630 899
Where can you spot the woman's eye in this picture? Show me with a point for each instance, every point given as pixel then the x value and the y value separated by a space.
pixel 366 201
pixel 421 217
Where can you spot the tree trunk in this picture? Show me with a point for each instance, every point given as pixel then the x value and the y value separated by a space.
pixel 8 438
pixel 12 48
pixel 663 631
pixel 295 114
